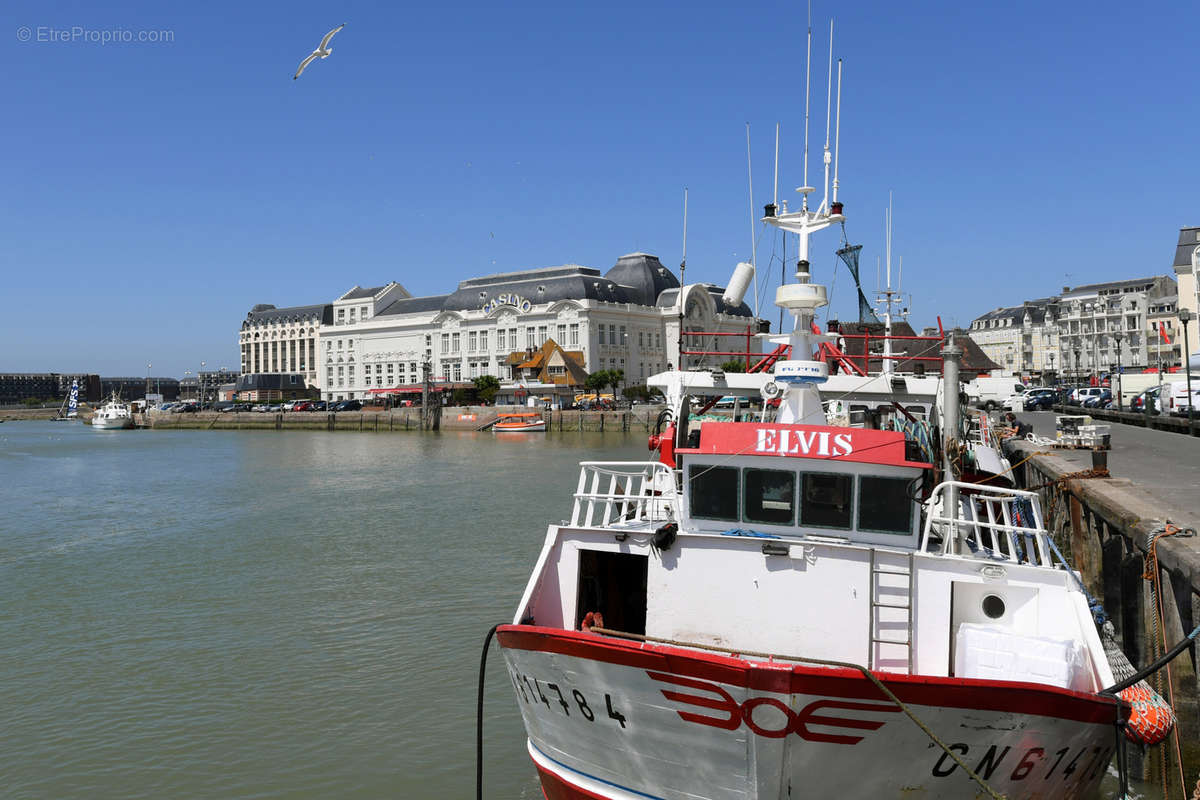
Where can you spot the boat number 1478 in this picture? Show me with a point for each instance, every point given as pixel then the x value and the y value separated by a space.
pixel 570 699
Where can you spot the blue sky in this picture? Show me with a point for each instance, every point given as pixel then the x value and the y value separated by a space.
pixel 157 191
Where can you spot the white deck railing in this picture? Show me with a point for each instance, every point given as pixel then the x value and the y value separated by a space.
pixel 989 522
pixel 624 494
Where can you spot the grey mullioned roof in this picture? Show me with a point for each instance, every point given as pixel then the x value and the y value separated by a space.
pixel 359 293
pixel 264 312
pixel 1093 288
pixel 1189 240
pixel 643 277
pixel 415 305
pixel 1036 308
pixel 546 285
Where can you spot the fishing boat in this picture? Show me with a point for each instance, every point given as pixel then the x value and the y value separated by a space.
pixel 783 604
pixel 519 422
pixel 112 415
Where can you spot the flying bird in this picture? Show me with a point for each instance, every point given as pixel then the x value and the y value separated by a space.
pixel 323 51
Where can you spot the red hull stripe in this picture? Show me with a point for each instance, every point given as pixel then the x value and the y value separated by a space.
pixel 1011 696
pixel 556 787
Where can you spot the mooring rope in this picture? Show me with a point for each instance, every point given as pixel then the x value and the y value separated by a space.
pixel 824 662
pixel 479 715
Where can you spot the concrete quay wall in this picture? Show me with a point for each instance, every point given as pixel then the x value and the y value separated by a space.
pixel 1103 527
pixel 641 419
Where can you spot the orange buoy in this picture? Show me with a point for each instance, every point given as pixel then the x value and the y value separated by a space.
pixel 1151 719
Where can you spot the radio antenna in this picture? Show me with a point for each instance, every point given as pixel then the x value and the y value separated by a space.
pixel 837 133
pixel 753 245
pixel 682 285
pixel 828 115
pixel 775 197
pixel 807 103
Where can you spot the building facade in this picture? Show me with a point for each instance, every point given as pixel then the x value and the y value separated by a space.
pixel 283 341
pixel 1187 273
pixel 1087 330
pixel 628 318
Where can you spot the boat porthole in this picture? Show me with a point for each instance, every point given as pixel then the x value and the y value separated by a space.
pixel 993 606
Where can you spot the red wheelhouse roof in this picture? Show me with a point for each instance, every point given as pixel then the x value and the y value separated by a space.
pixel 821 442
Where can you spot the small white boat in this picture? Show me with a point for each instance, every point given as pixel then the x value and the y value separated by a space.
pixel 519 423
pixel 113 415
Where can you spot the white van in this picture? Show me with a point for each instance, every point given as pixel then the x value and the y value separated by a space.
pixel 990 393
pixel 1176 397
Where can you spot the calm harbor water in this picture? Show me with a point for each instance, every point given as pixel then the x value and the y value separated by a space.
pixel 203 614
pixel 195 614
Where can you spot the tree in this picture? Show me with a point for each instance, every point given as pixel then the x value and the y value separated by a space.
pixel 733 365
pixel 486 387
pixel 615 378
pixel 597 380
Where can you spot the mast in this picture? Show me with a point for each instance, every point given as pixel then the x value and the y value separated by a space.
pixel 800 374
pixel 682 268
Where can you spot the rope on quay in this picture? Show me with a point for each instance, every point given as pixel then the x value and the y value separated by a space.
pixel 479 715
pixel 992 793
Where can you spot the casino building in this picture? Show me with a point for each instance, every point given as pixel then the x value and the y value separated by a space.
pixel 378 338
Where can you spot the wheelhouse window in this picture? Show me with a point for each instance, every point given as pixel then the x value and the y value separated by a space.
pixel 714 493
pixel 884 505
pixel 769 496
pixel 825 500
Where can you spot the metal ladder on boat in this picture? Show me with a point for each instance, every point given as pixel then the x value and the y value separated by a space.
pixel 874 624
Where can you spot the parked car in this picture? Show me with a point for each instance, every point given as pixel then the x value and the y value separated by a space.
pixel 301 405
pixel 1102 400
pixel 348 405
pixel 1078 396
pixel 318 405
pixel 290 405
pixel 1150 395
pixel 261 408
pixel 1037 398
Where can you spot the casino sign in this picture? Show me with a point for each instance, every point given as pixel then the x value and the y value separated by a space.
pixel 508 299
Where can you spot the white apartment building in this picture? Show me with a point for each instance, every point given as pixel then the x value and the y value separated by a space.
pixel 1077 333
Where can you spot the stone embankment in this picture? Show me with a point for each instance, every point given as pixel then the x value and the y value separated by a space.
pixel 1107 525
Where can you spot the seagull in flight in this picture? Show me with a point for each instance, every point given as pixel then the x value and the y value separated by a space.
pixel 323 51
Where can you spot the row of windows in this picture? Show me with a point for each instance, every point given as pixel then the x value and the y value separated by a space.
pixel 825 499
pixel 341 314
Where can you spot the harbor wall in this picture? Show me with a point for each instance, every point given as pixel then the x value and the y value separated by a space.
pixel 465 418
pixel 1103 526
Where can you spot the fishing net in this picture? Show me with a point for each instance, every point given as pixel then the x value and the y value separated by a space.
pixel 849 256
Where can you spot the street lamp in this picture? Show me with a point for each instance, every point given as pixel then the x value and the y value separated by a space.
pixel 1078 366
pixel 200 384
pixel 186 374
pixel 1117 338
pixel 1185 316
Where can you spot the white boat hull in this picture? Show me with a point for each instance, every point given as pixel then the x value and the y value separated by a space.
pixel 111 423
pixel 609 718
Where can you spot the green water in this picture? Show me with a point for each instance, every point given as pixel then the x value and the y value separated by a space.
pixel 196 614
